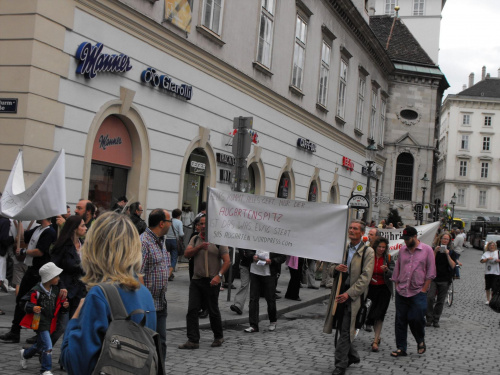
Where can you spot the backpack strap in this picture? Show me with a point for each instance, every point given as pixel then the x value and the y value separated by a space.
pixel 115 302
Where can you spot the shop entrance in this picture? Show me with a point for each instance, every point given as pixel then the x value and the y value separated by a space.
pixel 194 179
pixel 111 162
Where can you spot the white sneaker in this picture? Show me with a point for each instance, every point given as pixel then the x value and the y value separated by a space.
pixel 487 303
pixel 24 361
pixel 11 289
pixel 47 373
pixel 272 327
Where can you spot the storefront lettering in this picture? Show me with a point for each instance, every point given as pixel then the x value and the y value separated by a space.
pixel 197 165
pixel 225 176
pixel 105 141
pixel 347 163
pixel 164 82
pixel 226 159
pixel 306 144
pixel 93 61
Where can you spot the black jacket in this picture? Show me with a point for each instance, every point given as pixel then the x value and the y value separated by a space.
pixel 139 223
pixel 67 258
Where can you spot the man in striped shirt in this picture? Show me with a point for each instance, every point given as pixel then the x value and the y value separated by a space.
pixel 155 266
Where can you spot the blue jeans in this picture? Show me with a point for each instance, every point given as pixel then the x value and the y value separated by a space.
pixel 410 311
pixel 171 246
pixel 44 347
pixel 161 328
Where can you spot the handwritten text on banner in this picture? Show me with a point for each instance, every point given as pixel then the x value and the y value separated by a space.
pixel 306 229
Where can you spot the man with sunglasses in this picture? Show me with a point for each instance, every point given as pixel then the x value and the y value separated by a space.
pixel 155 266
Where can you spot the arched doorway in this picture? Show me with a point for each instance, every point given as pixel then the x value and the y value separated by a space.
pixel 333 196
pixel 284 186
pixel 313 192
pixel 111 163
pixel 403 184
pixel 195 178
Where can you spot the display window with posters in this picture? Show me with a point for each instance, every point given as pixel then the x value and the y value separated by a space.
pixel 111 162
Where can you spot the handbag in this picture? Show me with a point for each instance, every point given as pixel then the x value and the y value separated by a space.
pixel 365 304
pixel 180 242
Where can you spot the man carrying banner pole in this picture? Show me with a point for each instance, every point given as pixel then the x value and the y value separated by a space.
pixel 356 272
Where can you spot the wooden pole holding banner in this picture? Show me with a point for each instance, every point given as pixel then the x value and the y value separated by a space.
pixel 344 257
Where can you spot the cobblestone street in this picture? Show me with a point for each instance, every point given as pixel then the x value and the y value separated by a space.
pixel 466 343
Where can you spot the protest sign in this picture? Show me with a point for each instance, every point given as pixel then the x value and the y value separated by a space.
pixel 425 234
pixel 45 198
pixel 305 229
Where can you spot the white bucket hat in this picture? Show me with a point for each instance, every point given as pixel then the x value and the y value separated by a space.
pixel 48 271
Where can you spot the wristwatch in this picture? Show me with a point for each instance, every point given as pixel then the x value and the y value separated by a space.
pixel 220 275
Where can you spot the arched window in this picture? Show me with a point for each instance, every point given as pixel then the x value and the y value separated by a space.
pixel 404 177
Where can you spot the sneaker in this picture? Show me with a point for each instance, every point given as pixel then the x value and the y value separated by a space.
pixel 10 336
pixel 189 345
pixel 486 303
pixel 11 289
pixel 368 328
pixel 217 343
pixel 250 330
pixel 47 373
pixel 24 361
pixel 272 327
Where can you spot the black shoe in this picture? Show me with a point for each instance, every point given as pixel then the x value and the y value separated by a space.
pixel 312 287
pixel 31 340
pixel 277 296
pixel 294 299
pixel 203 314
pixel 10 337
pixel 236 309
pixel 278 291
pixel 428 324
pixel 338 371
pixel 436 325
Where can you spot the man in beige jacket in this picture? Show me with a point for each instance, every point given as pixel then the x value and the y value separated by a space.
pixel 356 281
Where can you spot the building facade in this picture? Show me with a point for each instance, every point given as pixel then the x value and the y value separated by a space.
pixel 142 97
pixel 468 160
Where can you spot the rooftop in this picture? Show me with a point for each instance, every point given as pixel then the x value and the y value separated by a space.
pixel 403 46
pixel 488 88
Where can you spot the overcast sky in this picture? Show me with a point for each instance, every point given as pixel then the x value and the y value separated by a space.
pixel 470 38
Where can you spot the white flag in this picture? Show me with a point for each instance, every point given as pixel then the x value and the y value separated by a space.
pixel 45 198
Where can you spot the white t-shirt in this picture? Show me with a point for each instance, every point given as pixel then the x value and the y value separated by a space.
pixel 261 268
pixel 491 266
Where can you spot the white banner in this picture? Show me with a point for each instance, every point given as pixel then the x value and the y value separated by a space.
pixel 425 234
pixel 305 229
pixel 44 199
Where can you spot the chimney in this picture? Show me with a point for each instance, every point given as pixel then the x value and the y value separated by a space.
pixel 471 79
pixel 483 73
pixel 464 87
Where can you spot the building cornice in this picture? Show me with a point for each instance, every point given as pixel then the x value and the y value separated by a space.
pixel 489 184
pixel 360 29
pixel 140 26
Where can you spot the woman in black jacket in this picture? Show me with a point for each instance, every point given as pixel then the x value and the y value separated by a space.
pixel 66 255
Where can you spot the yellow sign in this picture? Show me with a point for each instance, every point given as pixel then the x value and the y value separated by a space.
pixel 359 188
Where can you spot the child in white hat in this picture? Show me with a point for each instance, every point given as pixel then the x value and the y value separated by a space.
pixel 43 300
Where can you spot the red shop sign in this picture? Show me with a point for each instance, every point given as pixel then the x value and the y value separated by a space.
pixel 347 163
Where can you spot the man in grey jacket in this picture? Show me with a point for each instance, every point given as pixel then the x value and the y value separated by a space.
pixel 356 272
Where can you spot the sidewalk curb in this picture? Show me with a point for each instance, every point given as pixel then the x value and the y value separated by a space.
pixel 243 319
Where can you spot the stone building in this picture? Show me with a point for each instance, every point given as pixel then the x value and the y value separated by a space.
pixel 416 89
pixel 468 159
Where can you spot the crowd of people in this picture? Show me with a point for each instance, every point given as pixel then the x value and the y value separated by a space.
pixel 57 264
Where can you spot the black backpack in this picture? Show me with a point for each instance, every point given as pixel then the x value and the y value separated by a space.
pixel 128 347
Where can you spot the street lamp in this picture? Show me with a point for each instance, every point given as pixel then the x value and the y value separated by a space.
pixel 370 153
pixel 452 202
pixel 425 181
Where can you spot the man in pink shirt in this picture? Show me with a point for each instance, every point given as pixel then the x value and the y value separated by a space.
pixel 413 273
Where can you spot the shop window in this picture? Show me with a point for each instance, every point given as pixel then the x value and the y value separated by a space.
pixel 313 192
pixel 194 180
pixel 284 186
pixel 111 161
